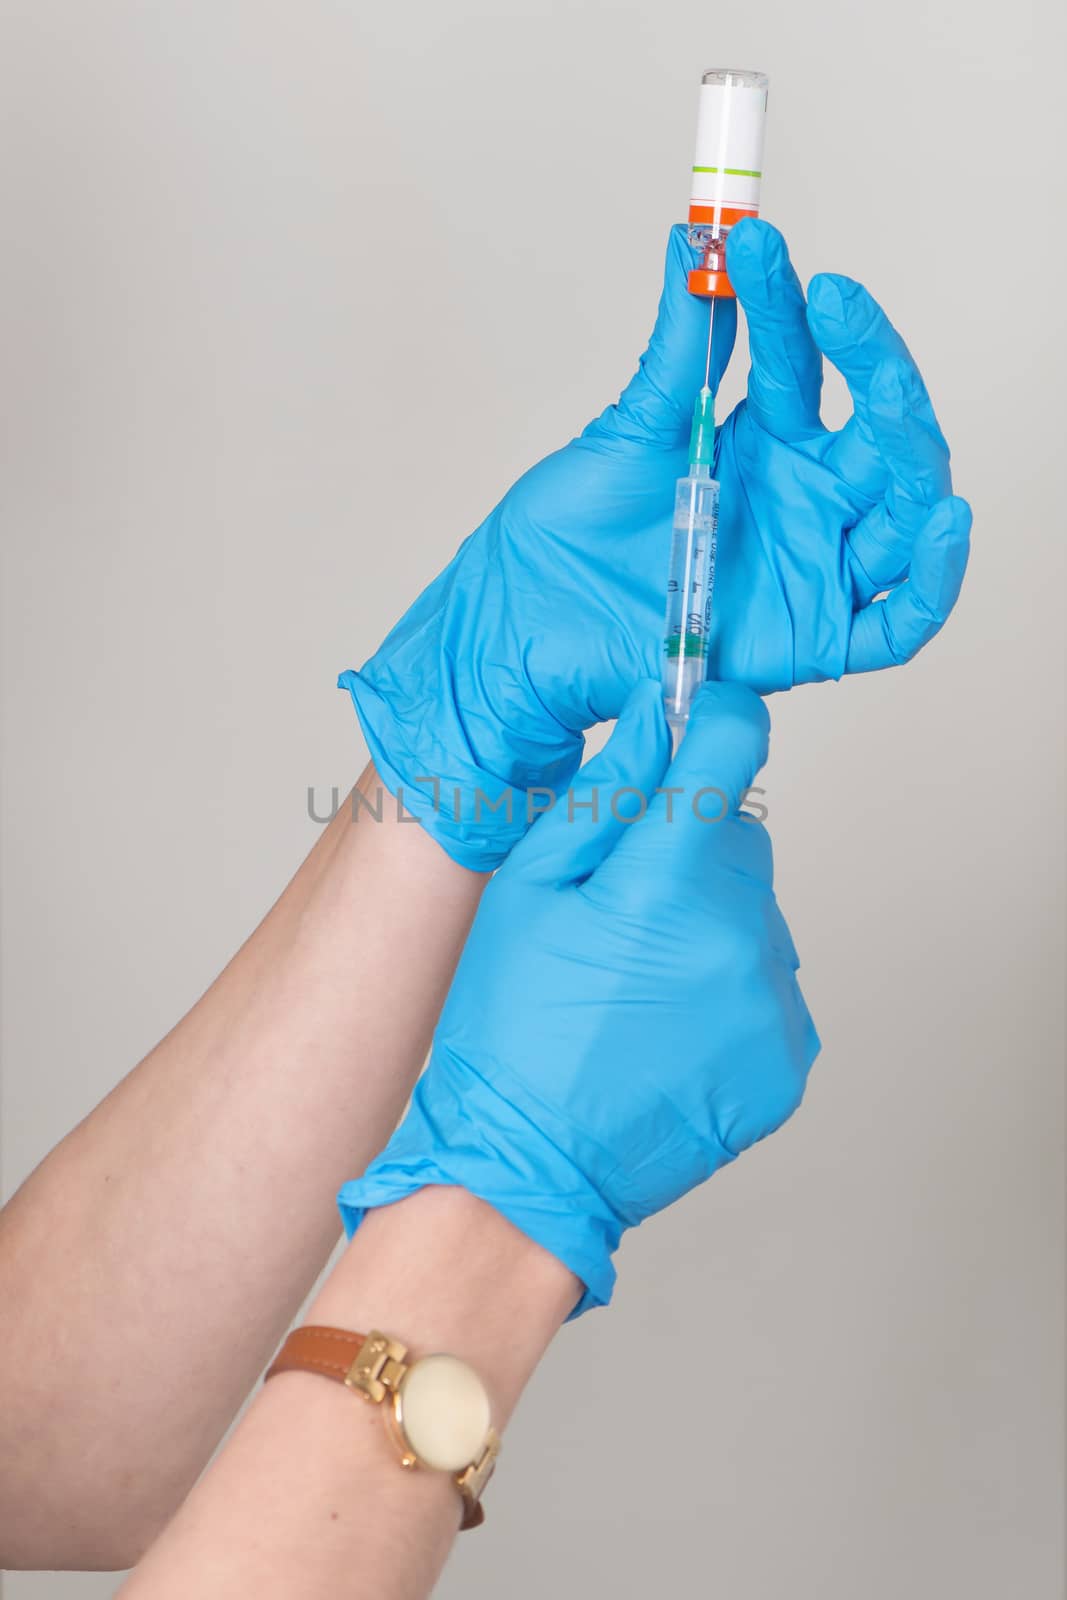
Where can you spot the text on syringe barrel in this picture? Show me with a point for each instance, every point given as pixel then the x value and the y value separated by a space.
pixel 690 585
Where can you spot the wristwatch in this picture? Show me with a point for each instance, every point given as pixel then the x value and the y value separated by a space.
pixel 438 1411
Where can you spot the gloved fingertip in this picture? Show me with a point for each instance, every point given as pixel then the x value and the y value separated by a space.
pixel 678 246
pixel 729 730
pixel 835 299
pixel 950 519
pixel 719 700
pixel 827 294
pixel 962 513
pixel 754 238
pixel 756 253
pixel 639 750
pixel 646 692
pixel 642 711
pixel 938 565
pixel 748 233
pixel 681 258
pixel 574 837
pixel 841 313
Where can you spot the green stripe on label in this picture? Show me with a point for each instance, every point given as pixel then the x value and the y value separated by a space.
pixel 731 172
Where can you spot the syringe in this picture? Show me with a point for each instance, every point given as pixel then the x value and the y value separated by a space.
pixel 692 571
pixel 725 187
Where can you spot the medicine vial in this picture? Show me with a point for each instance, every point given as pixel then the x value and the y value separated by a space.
pixel 727 169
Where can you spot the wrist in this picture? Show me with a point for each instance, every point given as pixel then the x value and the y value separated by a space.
pixel 518 1163
pixel 444 1271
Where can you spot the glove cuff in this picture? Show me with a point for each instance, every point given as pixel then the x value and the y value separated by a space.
pixel 588 1260
pixel 475 815
pixel 459 1132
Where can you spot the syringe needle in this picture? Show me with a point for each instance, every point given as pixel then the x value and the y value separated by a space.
pixel 711 330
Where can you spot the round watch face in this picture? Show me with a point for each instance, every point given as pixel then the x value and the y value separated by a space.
pixel 442 1411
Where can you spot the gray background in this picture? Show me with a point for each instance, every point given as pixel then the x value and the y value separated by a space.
pixel 243 243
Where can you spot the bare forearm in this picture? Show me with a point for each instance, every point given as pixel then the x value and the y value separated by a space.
pixel 164 1246
pixel 308 1496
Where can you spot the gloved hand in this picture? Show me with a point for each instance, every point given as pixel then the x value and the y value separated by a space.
pixel 625 1017
pixel 814 524
pixel 553 609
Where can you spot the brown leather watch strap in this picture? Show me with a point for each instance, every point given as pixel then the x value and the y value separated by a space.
pixel 330 1351
pixel 334 1353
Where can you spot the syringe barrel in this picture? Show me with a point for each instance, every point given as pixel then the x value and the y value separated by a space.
pixel 690 583
pixel 727 168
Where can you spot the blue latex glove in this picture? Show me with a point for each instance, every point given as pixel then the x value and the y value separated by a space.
pixel 814 524
pixel 553 609
pixel 625 1017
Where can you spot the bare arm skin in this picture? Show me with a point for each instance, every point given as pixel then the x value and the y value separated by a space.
pixel 151 1264
pixel 308 1497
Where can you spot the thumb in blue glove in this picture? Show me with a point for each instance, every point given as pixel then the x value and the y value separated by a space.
pixel 625 1018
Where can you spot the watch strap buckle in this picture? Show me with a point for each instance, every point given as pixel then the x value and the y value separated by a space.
pixel 378 1368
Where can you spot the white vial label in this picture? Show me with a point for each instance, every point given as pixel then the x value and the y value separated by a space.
pixel 727 165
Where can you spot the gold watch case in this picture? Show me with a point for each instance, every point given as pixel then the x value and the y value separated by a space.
pixel 381 1370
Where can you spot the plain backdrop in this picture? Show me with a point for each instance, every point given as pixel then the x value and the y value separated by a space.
pixel 244 244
